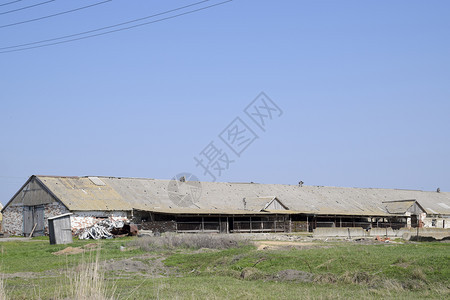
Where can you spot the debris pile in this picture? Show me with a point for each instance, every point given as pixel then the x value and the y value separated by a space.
pixel 382 239
pixel 106 229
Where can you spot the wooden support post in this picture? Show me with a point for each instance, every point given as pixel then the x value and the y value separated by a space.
pixel 32 231
pixel 250 224
pixel 203 224
pixel 275 223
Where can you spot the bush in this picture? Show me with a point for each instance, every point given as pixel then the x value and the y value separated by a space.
pixel 188 241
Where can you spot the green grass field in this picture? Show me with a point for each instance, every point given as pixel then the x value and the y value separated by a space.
pixel 324 271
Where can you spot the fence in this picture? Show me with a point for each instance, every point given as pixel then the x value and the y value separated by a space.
pixel 199 226
pixel 259 226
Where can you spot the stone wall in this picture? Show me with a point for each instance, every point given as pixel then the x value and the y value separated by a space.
pixel 83 219
pixel 13 217
pixel 13 220
pixel 52 210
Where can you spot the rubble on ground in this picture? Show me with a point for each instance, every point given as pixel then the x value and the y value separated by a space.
pixel 107 229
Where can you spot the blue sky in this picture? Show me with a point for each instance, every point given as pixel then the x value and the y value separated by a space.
pixel 364 89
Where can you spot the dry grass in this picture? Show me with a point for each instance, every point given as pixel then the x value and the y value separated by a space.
pixel 3 294
pixel 188 241
pixel 87 281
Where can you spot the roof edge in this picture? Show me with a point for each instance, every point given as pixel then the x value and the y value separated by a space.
pixel 18 191
pixel 47 189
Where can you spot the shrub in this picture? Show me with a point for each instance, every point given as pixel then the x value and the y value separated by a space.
pixel 188 241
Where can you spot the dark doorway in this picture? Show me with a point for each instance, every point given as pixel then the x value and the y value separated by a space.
pixel 230 224
pixel 223 225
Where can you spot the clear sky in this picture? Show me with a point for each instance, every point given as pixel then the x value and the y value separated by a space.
pixel 364 89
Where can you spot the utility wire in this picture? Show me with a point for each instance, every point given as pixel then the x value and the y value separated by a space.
pixel 57 14
pixel 103 28
pixel 10 2
pixel 121 29
pixel 112 31
pixel 22 8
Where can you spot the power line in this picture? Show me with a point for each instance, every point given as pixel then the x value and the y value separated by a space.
pixel 10 2
pixel 102 28
pixel 112 31
pixel 26 7
pixel 57 14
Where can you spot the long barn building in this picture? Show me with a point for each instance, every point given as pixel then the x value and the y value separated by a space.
pixel 164 205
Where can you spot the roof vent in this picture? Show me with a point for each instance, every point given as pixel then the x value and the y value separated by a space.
pixel 300 183
pixel 96 181
pixel 438 190
pixel 182 179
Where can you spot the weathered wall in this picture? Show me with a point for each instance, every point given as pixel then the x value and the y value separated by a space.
pixel 351 232
pixel 13 220
pixel 52 210
pixel 32 194
pixel 13 216
pixel 435 222
pixel 82 219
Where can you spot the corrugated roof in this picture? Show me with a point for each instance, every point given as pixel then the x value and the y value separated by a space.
pixel 399 207
pixel 81 193
pixel 195 211
pixel 257 203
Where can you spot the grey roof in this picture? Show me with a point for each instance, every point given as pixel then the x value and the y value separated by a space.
pixel 257 203
pixel 399 207
pixel 114 193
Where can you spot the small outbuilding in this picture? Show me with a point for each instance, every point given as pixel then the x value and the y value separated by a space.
pixel 60 229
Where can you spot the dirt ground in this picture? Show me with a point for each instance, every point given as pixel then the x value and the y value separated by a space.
pixel 145 265
pixel 277 245
pixel 149 266
pixel 69 250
